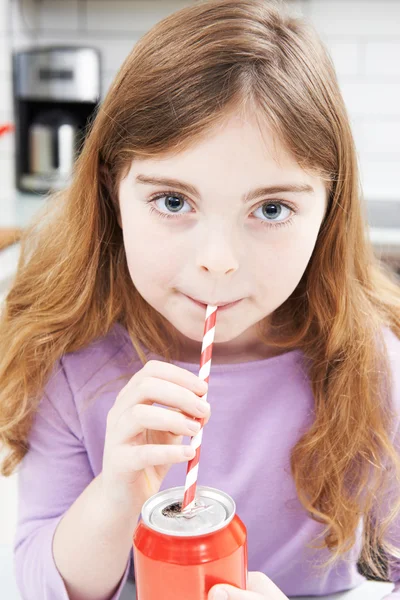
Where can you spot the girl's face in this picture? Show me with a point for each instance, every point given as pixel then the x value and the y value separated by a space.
pixel 232 218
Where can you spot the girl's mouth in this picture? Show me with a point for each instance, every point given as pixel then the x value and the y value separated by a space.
pixel 204 306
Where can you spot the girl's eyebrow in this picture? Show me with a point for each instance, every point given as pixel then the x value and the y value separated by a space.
pixel 190 189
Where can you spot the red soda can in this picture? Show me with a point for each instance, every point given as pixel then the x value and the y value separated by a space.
pixel 180 555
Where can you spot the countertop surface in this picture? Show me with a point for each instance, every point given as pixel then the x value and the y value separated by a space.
pixel 370 590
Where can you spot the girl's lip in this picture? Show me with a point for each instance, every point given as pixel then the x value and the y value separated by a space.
pixel 228 305
pixel 204 306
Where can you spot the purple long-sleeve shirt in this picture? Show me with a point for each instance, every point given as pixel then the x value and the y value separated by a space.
pixel 259 411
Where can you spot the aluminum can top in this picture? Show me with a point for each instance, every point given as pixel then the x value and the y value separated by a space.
pixel 213 510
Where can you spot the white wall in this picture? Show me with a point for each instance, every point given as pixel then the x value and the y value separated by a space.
pixel 6 115
pixel 362 35
pixel 364 39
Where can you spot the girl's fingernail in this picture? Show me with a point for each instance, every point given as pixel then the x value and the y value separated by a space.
pixel 202 386
pixel 220 595
pixel 193 426
pixel 188 451
pixel 203 407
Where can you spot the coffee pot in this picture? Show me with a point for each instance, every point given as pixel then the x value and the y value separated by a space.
pixel 53 143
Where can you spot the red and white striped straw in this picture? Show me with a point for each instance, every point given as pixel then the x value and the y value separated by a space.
pixel 204 374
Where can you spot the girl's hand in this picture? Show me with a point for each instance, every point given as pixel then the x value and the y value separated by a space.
pixel 259 588
pixel 142 440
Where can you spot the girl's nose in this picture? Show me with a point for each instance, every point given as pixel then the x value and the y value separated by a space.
pixel 216 253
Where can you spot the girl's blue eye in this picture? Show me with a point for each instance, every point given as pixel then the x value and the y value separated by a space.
pixel 169 204
pixel 272 211
pixel 172 202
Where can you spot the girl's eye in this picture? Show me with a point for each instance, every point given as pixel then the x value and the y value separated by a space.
pixel 169 204
pixel 274 211
pixel 172 202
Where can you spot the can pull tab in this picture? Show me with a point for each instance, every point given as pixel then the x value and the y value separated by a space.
pixel 175 511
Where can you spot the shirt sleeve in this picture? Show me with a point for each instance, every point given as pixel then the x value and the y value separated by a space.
pixel 53 473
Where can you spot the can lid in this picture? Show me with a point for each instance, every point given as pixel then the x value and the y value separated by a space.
pixel 213 510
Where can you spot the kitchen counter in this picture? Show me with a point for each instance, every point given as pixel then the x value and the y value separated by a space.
pixel 370 590
pixel 18 209
pixel 383 217
pixel 384 220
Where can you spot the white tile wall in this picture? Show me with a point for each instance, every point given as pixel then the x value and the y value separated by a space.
pixel 363 37
pixel 380 137
pixel 372 99
pixel 114 51
pixel 129 15
pixel 65 16
pixel 380 176
pixel 5 58
pixel 347 57
pixel 376 58
pixel 6 142
pixel 23 16
pixel 355 17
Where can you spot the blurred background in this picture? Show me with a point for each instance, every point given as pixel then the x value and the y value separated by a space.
pixel 57 60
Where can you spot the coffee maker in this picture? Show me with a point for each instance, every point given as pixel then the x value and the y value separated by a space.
pixel 56 92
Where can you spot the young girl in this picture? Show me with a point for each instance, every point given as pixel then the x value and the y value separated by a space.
pixel 220 169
